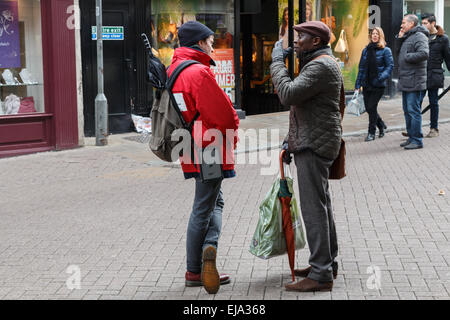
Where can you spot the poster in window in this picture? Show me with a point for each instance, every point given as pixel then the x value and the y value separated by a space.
pixel 224 71
pixel 9 34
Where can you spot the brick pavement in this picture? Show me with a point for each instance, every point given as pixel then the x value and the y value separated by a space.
pixel 122 221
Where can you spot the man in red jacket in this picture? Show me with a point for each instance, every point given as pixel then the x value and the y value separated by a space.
pixel 201 94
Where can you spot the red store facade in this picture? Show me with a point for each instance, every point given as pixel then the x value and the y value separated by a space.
pixel 38 95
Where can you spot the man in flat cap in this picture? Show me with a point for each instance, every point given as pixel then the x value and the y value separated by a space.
pixel 315 136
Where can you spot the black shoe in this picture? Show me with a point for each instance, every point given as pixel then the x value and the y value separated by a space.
pixel 370 137
pixel 404 144
pixel 413 146
pixel 381 135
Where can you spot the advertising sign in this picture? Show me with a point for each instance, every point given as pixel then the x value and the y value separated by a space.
pixel 9 34
pixel 224 71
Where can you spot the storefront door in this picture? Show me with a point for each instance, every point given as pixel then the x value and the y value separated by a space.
pixel 119 65
pixel 260 31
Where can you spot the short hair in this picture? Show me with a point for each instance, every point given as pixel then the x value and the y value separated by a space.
pixel 429 16
pixel 412 18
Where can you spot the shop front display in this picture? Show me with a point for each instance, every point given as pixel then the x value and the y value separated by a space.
pixel 169 15
pixel 21 73
pixel 348 22
pixel 37 48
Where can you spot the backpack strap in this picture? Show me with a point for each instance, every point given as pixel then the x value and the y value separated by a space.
pixel 169 85
pixel 174 76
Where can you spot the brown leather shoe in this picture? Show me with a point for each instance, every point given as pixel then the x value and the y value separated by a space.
pixel 195 279
pixel 309 285
pixel 210 276
pixel 303 273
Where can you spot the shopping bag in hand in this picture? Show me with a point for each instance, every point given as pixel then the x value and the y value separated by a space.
pixel 269 240
pixel 356 105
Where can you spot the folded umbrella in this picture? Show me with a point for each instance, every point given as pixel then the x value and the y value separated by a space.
pixel 439 98
pixel 285 197
pixel 156 71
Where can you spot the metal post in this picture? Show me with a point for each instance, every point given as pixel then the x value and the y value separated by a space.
pixel 101 103
pixel 291 36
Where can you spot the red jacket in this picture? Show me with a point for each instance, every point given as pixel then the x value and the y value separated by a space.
pixel 202 93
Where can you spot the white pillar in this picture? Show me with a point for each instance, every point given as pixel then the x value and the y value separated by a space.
pixel 439 6
pixel 79 73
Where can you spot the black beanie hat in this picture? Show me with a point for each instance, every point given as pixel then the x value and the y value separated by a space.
pixel 192 32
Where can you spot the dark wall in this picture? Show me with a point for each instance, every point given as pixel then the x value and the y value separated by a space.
pixel 266 21
pixel 391 19
pixel 250 6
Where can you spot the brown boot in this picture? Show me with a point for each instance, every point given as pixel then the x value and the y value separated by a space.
pixel 309 285
pixel 303 273
pixel 210 275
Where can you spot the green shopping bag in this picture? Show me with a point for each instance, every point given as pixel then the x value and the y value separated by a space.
pixel 269 240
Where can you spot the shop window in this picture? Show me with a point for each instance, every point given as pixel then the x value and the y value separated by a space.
pixel 262 47
pixel 419 7
pixel 218 15
pixel 347 20
pixel 21 71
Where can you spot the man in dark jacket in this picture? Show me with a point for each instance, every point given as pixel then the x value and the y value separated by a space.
pixel 314 137
pixel 412 65
pixel 439 52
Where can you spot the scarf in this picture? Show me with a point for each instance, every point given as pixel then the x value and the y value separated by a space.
pixel 307 56
pixel 372 68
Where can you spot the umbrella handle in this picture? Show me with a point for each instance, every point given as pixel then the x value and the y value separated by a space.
pixel 147 43
pixel 282 164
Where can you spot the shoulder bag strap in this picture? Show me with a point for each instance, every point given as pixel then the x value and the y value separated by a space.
pixel 342 98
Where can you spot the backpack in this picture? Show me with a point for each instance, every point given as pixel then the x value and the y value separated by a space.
pixel 167 119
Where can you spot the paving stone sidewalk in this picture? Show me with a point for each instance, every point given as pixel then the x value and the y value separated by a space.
pixel 121 222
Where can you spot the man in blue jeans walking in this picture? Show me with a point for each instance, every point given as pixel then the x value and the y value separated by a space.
pixel 412 63
pixel 439 52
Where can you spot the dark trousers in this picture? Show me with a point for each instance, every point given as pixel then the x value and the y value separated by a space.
pixel 317 213
pixel 371 99
pixel 433 96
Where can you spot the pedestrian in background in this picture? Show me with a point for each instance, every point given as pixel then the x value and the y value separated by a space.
pixel 201 98
pixel 412 65
pixel 315 136
pixel 439 52
pixel 375 68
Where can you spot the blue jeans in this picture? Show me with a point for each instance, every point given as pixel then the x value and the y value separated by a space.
pixel 433 96
pixel 412 108
pixel 205 222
